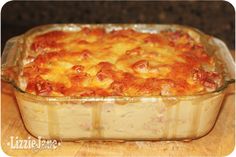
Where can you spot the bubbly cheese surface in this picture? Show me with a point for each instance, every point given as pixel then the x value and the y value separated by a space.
pixel 93 62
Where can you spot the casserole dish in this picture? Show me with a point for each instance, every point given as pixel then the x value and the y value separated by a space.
pixel 114 117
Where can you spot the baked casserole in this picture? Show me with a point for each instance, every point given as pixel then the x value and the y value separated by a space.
pixel 126 82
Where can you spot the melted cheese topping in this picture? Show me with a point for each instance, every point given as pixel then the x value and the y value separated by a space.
pixel 93 62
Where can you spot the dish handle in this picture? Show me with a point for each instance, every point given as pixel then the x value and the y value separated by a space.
pixel 9 60
pixel 225 56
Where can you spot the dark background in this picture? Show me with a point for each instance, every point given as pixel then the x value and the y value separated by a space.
pixel 215 18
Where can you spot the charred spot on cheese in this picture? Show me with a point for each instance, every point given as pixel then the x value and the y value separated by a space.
pixel 141 66
pixel 155 38
pixel 78 68
pixel 39 86
pixel 124 62
pixel 48 41
pixel 85 54
pixel 135 51
pixel 210 80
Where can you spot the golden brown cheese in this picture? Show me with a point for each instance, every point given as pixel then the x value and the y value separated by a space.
pixel 93 62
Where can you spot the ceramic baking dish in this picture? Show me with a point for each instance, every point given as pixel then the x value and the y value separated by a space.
pixel 117 118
